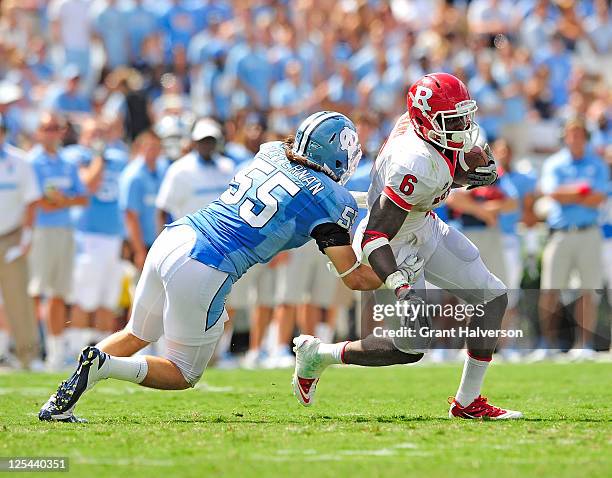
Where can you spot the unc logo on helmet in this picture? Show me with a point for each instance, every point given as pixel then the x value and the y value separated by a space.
pixel 329 140
pixel 349 142
pixel 419 100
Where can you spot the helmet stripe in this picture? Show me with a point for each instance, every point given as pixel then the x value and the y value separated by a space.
pixel 304 126
pixel 311 127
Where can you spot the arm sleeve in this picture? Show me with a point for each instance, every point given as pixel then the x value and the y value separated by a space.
pixel 330 234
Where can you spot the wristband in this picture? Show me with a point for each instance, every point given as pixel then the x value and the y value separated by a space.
pixel 26 236
pixel 333 270
pixel 374 244
pixel 395 280
pixel 584 189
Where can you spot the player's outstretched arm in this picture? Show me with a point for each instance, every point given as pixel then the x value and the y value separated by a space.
pixel 355 276
pixel 335 242
pixel 384 223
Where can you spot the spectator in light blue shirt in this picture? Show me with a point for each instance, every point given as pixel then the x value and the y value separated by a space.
pixel 559 63
pixel 525 186
pixel 57 177
pixel 97 270
pixel 179 24
pixel 382 87
pixel 100 169
pixel 253 71
pixel 205 44
pixel 537 28
pixel 599 28
pixel 576 180
pixel 342 89
pixel 138 187
pixel 219 81
pixel 110 23
pixel 249 136
pixel 70 100
pixel 485 91
pixel 52 254
pixel 142 24
pixel 286 97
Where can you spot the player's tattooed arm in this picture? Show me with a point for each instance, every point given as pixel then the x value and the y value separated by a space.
pixel 386 219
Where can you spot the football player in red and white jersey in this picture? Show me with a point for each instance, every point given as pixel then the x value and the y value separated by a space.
pixel 412 175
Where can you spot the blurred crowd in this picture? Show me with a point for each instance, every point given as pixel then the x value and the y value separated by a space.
pixel 128 113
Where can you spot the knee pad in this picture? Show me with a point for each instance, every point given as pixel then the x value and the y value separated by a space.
pixel 487 284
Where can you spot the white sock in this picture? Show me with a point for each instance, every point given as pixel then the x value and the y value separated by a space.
pixel 98 336
pixel 4 343
pixel 224 344
pixel 324 332
pixel 130 369
pixel 471 381
pixel 332 353
pixel 55 350
pixel 90 336
pixel 76 340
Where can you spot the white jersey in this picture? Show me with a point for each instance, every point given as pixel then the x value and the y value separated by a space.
pixel 191 184
pixel 412 174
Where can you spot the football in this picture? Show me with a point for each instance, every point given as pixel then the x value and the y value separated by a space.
pixel 473 159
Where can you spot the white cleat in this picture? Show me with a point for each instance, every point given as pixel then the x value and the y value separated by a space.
pixel 308 368
pixel 253 360
pixel 541 355
pixel 280 359
pixel 581 355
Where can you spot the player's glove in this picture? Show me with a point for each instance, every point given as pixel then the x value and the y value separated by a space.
pixel 483 175
pixel 412 268
pixel 401 280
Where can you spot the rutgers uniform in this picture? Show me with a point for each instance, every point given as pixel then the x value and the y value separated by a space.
pixel 402 237
pixel 418 178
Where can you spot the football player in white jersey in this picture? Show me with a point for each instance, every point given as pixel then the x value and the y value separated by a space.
pixel 413 174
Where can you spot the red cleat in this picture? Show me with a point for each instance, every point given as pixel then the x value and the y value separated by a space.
pixel 480 409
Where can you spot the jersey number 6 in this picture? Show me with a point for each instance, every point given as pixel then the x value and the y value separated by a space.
pixel 407 185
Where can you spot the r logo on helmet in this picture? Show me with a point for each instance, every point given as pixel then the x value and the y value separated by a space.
pixel 419 100
pixel 349 142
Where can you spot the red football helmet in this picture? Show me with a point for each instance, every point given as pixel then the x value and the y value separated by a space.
pixel 441 111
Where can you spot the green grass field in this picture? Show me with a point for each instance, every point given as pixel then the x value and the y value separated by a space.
pixel 366 422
